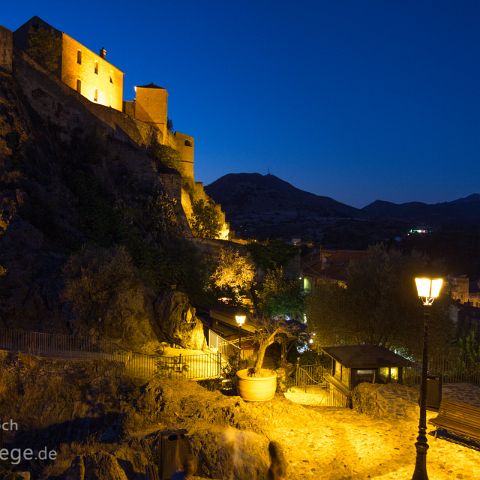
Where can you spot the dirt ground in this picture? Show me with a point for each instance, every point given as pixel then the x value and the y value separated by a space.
pixel 336 443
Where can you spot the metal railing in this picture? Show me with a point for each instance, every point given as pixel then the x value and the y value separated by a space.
pixel 230 349
pixel 336 398
pixel 136 364
pixel 455 370
pixel 226 348
pixel 312 379
pixel 192 367
pixel 308 375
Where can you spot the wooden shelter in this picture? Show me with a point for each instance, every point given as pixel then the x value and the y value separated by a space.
pixel 354 364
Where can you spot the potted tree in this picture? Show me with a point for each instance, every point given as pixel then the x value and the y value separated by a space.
pixel 276 298
pixel 258 383
pixel 272 298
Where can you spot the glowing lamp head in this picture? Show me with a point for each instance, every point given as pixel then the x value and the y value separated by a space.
pixel 240 319
pixel 428 289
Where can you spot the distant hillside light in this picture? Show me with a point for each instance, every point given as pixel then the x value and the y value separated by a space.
pixel 428 289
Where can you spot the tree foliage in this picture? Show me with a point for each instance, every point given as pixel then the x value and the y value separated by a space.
pixel 103 288
pixel 272 254
pixel 166 155
pixel 205 222
pixel 379 305
pixel 469 345
pixel 45 47
pixel 280 297
pixel 233 276
pixel 162 216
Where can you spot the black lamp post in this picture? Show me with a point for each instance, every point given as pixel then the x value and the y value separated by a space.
pixel 428 290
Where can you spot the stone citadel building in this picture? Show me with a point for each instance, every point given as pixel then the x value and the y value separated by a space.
pixel 100 82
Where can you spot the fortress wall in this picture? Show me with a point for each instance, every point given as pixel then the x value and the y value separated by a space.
pixel 6 49
pixel 101 82
pixel 64 110
pixel 185 145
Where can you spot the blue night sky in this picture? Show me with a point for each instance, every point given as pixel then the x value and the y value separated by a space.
pixel 356 100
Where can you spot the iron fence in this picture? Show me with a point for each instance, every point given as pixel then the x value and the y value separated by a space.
pixel 226 348
pixel 230 349
pixel 192 367
pixel 336 398
pixel 309 375
pixel 136 364
pixel 452 370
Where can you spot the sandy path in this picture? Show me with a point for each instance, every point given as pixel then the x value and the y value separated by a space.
pixel 334 444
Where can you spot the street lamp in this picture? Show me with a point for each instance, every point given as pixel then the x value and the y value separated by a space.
pixel 428 290
pixel 240 319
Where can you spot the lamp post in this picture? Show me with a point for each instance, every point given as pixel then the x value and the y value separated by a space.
pixel 240 319
pixel 428 290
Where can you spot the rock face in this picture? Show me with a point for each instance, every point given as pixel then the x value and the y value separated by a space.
pixel 177 321
pixel 72 178
pixel 104 426
pixel 387 401
pixel 95 467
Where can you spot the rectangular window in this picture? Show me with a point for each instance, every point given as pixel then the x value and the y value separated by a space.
pixel 95 97
pixel 79 57
pixel 111 79
pixel 96 68
pixel 79 86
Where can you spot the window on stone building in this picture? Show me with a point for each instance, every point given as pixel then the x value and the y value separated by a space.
pixel 111 79
pixel 79 86
pixel 79 57
pixel 95 97
pixel 188 143
pixel 96 68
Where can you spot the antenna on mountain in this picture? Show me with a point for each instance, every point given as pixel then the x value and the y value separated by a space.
pixel 268 171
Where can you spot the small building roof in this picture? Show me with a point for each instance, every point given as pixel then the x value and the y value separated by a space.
pixel 366 356
pixel 226 314
pixel 151 85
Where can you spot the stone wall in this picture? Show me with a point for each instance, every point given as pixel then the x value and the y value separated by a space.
pixel 185 146
pixel 391 400
pixel 6 49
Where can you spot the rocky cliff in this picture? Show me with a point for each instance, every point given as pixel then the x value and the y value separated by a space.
pixel 77 185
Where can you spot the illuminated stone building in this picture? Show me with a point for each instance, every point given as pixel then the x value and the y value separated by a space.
pixel 100 82
pixel 77 66
pixel 464 290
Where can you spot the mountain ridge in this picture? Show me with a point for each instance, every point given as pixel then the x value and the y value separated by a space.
pixel 266 205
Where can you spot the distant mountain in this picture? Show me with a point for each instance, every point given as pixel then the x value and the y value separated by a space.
pixel 265 206
pixel 461 211
pixel 244 193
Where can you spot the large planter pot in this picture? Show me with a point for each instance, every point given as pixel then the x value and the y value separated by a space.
pixel 259 388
